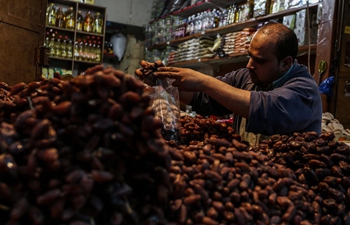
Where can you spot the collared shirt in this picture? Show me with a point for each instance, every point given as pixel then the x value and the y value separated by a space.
pixel 293 103
pixel 277 82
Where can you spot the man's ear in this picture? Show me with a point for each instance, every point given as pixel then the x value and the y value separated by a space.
pixel 287 62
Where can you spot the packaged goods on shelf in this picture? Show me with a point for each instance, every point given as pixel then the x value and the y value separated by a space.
pixel 195 48
pixel 48 73
pixel 289 21
pixel 301 26
pixel 261 8
pixel 228 42
pixel 237 42
pixel 280 5
pixel 75 40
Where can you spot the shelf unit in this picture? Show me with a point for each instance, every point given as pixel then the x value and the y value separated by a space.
pixel 251 23
pixel 76 66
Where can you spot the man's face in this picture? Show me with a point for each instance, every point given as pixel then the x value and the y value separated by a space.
pixel 263 64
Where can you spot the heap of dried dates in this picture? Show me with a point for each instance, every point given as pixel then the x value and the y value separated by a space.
pixel 90 151
pixel 84 151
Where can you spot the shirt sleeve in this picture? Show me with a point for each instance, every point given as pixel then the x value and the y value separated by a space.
pixel 206 106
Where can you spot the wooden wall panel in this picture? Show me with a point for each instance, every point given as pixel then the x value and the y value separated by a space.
pixel 340 102
pixel 22 32
pixel 17 54
pixel 342 112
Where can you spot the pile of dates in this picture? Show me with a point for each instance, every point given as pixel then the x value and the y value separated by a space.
pixel 90 151
pixel 323 164
pixel 84 151
pixel 309 172
pixel 220 180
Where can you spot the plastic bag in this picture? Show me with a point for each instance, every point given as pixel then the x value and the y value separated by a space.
pixel 326 86
pixel 164 99
pixel 119 45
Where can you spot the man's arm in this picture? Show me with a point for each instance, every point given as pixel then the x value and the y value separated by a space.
pixel 234 99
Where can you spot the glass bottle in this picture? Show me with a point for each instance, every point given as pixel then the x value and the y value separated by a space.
pixel 98 23
pixel 93 52
pixel 60 18
pixel 52 47
pixel 76 50
pixel 51 15
pixel 81 50
pixel 57 47
pixel 98 53
pixel 64 49
pixel 88 22
pixel 70 18
pixel 216 18
pixel 47 42
pixel 70 49
pixel 80 21
pixel 47 39
pixel 87 56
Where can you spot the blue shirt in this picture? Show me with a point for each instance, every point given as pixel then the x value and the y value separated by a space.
pixel 293 104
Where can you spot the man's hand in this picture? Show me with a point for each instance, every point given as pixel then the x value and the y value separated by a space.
pixel 185 79
pixel 147 68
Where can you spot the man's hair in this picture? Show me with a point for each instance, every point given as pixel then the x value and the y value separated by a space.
pixel 286 40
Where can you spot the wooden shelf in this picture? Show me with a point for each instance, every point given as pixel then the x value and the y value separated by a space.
pixel 60 58
pixel 233 58
pixel 70 63
pixel 89 33
pixel 286 12
pixel 60 29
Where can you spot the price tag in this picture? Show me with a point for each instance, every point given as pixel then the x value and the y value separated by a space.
pixel 199 60
pixel 168 43
pixel 203 32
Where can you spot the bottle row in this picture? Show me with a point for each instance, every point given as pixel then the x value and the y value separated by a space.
pixel 57 16
pixel 87 48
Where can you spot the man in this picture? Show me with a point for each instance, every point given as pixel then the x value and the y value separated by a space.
pixel 272 95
